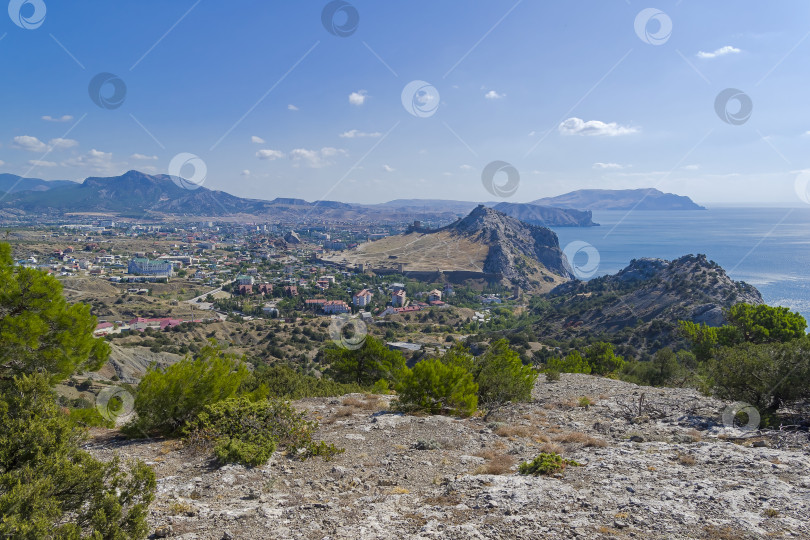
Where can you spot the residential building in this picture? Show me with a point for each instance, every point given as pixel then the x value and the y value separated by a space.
pixel 398 298
pixel 145 267
pixel 363 298
pixel 336 306
pixel 290 290
pixel 435 295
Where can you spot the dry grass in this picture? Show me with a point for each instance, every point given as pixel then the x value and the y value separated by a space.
pixel 686 459
pixel 342 412
pixel 442 500
pixel 398 490
pixel 514 431
pixel 368 403
pixel 712 532
pixel 178 508
pixel 552 448
pixel 577 437
pixel 497 462
pixel 541 438
pixel 694 435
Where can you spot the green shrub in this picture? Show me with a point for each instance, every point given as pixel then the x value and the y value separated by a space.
pixel 380 387
pixel 49 486
pixel 552 375
pixel 602 359
pixel 501 376
pixel 572 363
pixel 767 376
pixel 39 331
pixel 766 324
pixel 366 365
pixel 546 464
pixel 169 398
pixel 282 381
pixel 437 388
pixel 248 432
pixel 90 417
pixel 238 450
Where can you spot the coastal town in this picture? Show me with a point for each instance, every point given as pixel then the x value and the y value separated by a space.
pixel 233 270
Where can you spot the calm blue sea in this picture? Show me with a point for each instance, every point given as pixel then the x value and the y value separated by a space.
pixel 766 247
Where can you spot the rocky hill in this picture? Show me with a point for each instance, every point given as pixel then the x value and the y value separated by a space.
pixel 655 463
pixel 620 199
pixel 486 242
pixel 547 216
pixel 641 304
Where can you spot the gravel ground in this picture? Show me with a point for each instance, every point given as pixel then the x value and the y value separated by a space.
pixel 655 463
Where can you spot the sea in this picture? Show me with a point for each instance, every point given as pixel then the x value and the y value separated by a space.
pixel 766 247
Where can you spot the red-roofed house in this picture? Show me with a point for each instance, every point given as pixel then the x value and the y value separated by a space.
pixel 363 298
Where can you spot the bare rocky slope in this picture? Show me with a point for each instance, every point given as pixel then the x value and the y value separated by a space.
pixel 655 463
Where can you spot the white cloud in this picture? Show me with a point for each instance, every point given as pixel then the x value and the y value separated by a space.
pixel 2 162
pixel 388 168
pixel 143 157
pixel 577 126
pixel 599 165
pixel 492 94
pixel 269 154
pixel 256 140
pixel 316 158
pixel 31 144
pixel 64 118
pixel 40 163
pixel 692 167
pixel 357 98
pixel 466 167
pixel 292 107
pixel 353 133
pixel 246 172
pixel 62 144
pixel 94 159
pixel 722 51
pixel 532 133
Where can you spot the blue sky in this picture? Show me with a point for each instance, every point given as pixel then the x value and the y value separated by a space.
pixel 276 105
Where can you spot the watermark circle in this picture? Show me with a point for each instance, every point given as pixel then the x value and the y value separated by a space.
pixel 183 160
pixel 591 264
pixel 114 402
pixel 802 186
pixel 99 90
pixel 27 14
pixel 420 99
pixel 732 412
pixel 645 26
pixel 508 188
pixel 338 332
pixel 331 21
pixel 721 106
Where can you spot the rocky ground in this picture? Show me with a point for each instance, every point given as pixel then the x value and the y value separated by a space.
pixel 655 463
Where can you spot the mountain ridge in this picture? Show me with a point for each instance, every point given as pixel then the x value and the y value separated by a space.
pixel 620 199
